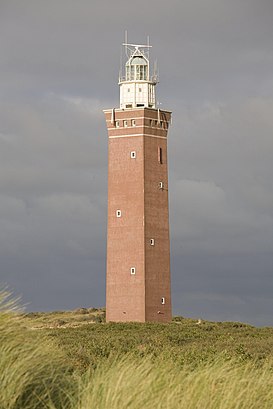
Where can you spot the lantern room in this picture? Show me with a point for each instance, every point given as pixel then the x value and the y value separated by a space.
pixel 137 68
pixel 137 87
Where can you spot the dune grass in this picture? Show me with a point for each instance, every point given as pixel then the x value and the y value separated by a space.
pixel 37 371
pixel 183 343
pixel 129 383
pixel 33 371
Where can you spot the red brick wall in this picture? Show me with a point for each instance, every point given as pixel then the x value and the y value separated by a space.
pixel 157 257
pixel 133 188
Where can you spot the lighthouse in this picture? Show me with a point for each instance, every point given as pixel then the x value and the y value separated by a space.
pixel 138 286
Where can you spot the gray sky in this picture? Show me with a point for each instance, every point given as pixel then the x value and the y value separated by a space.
pixel 58 70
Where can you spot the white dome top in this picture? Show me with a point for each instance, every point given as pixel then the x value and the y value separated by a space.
pixel 137 60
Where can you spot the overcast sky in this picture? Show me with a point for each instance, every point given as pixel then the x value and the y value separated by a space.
pixel 59 64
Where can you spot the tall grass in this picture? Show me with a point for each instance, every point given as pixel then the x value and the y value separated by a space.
pixel 131 384
pixel 34 374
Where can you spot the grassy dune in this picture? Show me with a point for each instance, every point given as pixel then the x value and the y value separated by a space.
pixel 63 363
pixel 181 343
pixel 33 370
pixel 130 383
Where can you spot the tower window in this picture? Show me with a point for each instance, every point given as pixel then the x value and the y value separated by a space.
pixel 133 122
pixel 117 124
pixel 118 213
pixel 163 300
pixel 125 123
pixel 133 270
pixel 133 154
pixel 160 160
pixel 152 242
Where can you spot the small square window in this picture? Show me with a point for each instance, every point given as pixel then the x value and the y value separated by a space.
pixel 118 213
pixel 152 242
pixel 133 122
pixel 133 154
pixel 117 124
pixel 133 270
pixel 163 300
pixel 125 123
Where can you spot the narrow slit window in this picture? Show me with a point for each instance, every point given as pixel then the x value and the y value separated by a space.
pixel 133 270
pixel 117 124
pixel 125 123
pixel 163 300
pixel 133 154
pixel 133 122
pixel 118 213
pixel 151 122
pixel 161 185
pixel 160 157
pixel 152 242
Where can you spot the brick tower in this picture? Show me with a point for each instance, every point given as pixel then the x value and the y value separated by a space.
pixel 138 244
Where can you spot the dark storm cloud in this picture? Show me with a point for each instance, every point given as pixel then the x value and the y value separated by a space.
pixel 58 70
